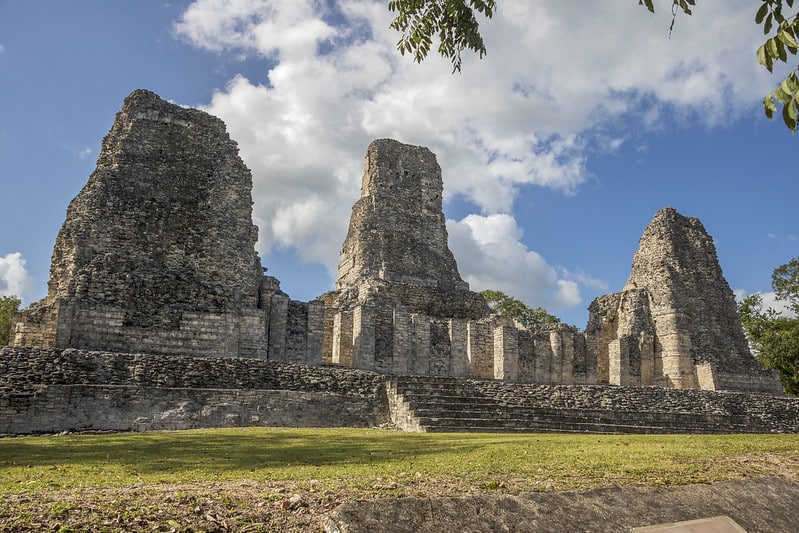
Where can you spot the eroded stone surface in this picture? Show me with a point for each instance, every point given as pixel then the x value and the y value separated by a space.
pixel 396 249
pixel 675 323
pixel 758 505
pixel 165 220
pixel 160 238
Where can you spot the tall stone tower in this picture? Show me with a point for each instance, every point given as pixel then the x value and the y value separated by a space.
pixel 675 323
pixel 157 252
pixel 396 249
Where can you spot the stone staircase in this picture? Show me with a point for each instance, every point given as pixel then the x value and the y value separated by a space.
pixel 430 404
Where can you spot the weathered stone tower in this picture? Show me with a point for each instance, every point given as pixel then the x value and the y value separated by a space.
pixel 396 248
pixel 675 323
pixel 157 252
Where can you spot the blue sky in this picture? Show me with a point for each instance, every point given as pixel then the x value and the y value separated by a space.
pixel 557 148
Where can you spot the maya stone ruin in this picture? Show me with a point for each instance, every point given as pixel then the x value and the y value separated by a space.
pixel 157 256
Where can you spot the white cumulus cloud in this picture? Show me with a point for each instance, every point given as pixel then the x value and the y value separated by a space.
pixel 557 76
pixel 491 256
pixel 14 278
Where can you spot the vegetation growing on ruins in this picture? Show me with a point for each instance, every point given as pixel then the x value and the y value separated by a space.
pixel 510 307
pixel 455 24
pixel 8 306
pixel 276 479
pixel 775 335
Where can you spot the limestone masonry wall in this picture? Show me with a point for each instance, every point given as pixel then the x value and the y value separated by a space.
pixel 45 391
pixel 157 256
pixel 75 390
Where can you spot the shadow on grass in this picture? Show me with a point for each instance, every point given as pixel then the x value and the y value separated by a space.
pixel 224 451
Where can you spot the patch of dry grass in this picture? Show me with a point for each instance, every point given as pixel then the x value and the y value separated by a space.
pixel 273 479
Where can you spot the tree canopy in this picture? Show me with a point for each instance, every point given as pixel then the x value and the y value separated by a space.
pixel 455 24
pixel 510 307
pixel 8 306
pixel 775 335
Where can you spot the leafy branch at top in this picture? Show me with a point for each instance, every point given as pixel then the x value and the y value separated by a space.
pixel 453 21
pixel 783 31
pixel 455 24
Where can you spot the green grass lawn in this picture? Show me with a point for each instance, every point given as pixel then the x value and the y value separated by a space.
pixel 269 479
pixel 362 458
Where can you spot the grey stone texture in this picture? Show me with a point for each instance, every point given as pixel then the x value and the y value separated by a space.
pixel 757 505
pixel 157 252
pixel 396 250
pixel 675 322
pixel 44 390
pixel 157 256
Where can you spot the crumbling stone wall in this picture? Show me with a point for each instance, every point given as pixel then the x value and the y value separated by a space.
pixel 396 250
pixel 159 246
pixel 393 341
pixel 675 323
pixel 157 254
pixel 45 390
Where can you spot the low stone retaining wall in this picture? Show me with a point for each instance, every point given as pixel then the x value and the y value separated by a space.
pixel 45 391
pixel 58 408
pixel 50 391
pixel 494 405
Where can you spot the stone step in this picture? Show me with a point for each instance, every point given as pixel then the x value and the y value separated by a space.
pixel 451 404
pixel 481 425
pixel 579 415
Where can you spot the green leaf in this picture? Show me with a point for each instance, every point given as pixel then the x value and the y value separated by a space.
pixel 792 110
pixel 781 53
pixel 769 106
pixel 788 110
pixel 788 86
pixel 761 54
pixel 649 5
pixel 787 38
pixel 771 47
pixel 761 13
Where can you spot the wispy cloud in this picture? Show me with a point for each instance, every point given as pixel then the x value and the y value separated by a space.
pixel 782 236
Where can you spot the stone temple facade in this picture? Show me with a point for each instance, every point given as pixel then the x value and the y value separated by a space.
pixel 675 322
pixel 157 255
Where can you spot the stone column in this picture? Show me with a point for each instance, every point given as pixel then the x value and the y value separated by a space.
pixel 543 359
pixel 646 345
pixel 402 347
pixel 480 349
pixel 278 317
pixel 556 342
pixel 342 339
pixel 421 344
pixel 458 341
pixel 619 361
pixel 363 337
pixel 506 353
pixel 315 332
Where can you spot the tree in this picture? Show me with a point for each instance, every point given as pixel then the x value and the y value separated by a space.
pixel 510 307
pixel 455 24
pixel 8 306
pixel 774 335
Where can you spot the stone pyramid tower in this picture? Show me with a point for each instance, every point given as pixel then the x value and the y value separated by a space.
pixel 396 249
pixel 675 323
pixel 160 236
